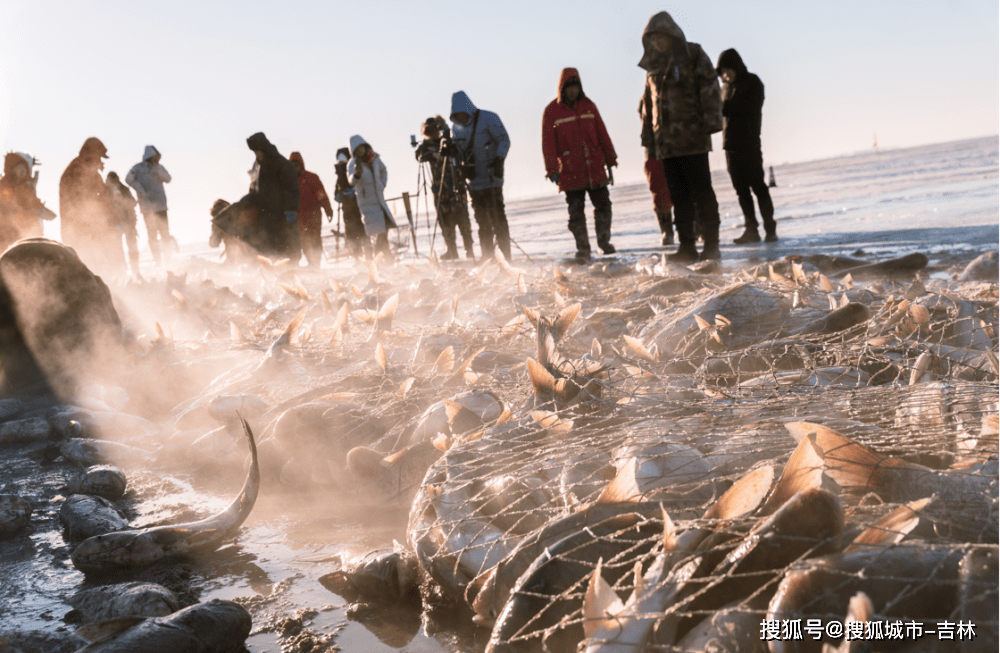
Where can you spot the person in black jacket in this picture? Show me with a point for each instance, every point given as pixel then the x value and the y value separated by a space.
pixel 275 193
pixel 354 227
pixel 742 99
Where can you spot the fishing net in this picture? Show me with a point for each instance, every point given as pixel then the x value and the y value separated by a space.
pixel 697 380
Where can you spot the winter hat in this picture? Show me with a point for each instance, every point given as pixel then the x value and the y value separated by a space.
pixel 113 176
pixel 343 155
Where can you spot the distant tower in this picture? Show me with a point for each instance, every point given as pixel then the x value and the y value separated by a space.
pixel 771 183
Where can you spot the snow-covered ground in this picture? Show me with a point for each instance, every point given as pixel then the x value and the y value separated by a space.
pixel 930 198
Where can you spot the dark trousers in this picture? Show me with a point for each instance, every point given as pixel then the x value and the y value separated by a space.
pixel 746 170
pixel 159 233
pixel 691 190
pixel 455 215
pixel 488 207
pixel 601 199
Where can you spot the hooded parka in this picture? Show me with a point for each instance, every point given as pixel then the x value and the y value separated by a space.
pixel 369 185
pixel 147 178
pixel 20 208
pixel 86 215
pixel 682 104
pixel 742 104
pixel 575 143
pixel 489 142
pixel 312 199
pixel 274 190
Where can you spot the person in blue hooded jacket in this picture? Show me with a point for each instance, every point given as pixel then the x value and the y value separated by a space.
pixel 481 141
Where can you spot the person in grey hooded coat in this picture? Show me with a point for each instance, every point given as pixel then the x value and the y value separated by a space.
pixel 482 143
pixel 147 178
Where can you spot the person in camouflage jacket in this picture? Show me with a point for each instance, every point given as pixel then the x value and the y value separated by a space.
pixel 680 110
pixel 448 186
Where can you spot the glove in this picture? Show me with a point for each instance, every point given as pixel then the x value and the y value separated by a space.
pixel 497 168
pixel 554 177
pixel 290 216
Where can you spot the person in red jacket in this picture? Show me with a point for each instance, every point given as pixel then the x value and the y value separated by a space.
pixel 312 197
pixel 578 157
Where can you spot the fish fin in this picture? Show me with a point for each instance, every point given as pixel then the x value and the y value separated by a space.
pixel 325 302
pixel 341 320
pixel 847 281
pixel 844 300
pixel 459 374
pixel 335 285
pixel 920 314
pixel 599 603
pixel 365 315
pixel 596 349
pixel 373 277
pixel 825 284
pixel 551 421
pixel 797 273
pixel 460 418
pixel 564 319
pixel 404 388
pixel 101 630
pixel 623 487
pixel 364 463
pixel 337 337
pixel 513 326
pixel 891 528
pixel 532 316
pixel 266 262
pixel 301 290
pixel 803 471
pixel 559 274
pixel 445 362
pixel 546 345
pixel 541 379
pixel 380 357
pixel 641 351
pixel 849 463
pixel 505 416
pixel 860 608
pixel 744 496
pixel 522 288
pixel 234 333
pixel 669 532
pixel 505 265
pixel 292 328
pixel 559 299
pixel 442 442
pixel 388 309
pixel 833 302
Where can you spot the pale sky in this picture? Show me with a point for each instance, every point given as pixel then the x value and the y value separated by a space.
pixel 195 79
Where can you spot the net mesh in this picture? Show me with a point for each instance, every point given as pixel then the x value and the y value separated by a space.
pixel 698 399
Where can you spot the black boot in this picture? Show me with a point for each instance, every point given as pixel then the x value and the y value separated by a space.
pixel 710 252
pixel 749 237
pixel 771 237
pixel 686 253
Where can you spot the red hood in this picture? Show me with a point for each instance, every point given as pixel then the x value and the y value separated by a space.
pixel 295 156
pixel 566 75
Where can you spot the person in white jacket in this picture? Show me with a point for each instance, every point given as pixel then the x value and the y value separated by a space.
pixel 147 178
pixel 368 176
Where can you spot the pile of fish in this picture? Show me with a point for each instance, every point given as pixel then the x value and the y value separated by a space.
pixel 625 456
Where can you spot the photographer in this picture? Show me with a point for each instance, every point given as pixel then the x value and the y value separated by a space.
pixel 448 186
pixel 354 228
pixel 482 142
